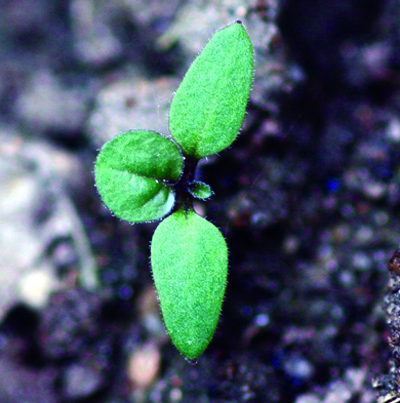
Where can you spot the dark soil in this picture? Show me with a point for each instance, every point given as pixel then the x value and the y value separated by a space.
pixel 308 198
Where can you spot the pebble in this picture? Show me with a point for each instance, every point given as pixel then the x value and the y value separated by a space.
pixel 80 381
pixel 144 365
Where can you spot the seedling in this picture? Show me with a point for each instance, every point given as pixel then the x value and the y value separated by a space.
pixel 144 176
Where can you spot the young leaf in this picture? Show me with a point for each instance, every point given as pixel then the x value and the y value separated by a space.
pixel 200 190
pixel 133 172
pixel 209 106
pixel 189 259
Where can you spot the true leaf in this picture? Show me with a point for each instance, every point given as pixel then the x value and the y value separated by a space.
pixel 200 190
pixel 209 106
pixel 134 172
pixel 189 259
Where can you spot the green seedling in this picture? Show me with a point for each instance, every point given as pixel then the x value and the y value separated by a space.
pixel 145 176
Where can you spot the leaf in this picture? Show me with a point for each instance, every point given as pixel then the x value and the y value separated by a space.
pixel 200 190
pixel 189 259
pixel 134 172
pixel 208 108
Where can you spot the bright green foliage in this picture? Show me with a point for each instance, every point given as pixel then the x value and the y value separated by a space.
pixel 134 172
pixel 189 258
pixel 141 176
pixel 209 105
pixel 200 190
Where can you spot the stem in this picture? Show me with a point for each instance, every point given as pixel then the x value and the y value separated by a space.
pixel 183 198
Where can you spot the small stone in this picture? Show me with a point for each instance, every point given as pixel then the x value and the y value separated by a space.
pixel 374 190
pixel 393 130
pixel 81 381
pixel 175 395
pixel 308 398
pixel 35 287
pixel 143 366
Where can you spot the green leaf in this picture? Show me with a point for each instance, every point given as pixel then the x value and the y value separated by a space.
pixel 208 108
pixel 200 190
pixel 189 259
pixel 134 172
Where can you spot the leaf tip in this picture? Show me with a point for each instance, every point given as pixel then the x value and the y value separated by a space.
pixel 191 361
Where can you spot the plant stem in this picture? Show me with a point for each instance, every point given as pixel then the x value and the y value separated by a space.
pixel 183 198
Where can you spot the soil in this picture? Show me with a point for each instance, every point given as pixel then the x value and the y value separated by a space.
pixel 308 198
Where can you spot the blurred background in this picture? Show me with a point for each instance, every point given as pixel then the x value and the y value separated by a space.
pixel 308 198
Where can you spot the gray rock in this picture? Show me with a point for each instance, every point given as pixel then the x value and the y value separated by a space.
pixel 20 384
pixel 146 12
pixel 131 103
pixel 95 42
pixel 81 381
pixel 270 74
pixel 48 105
pixel 34 212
